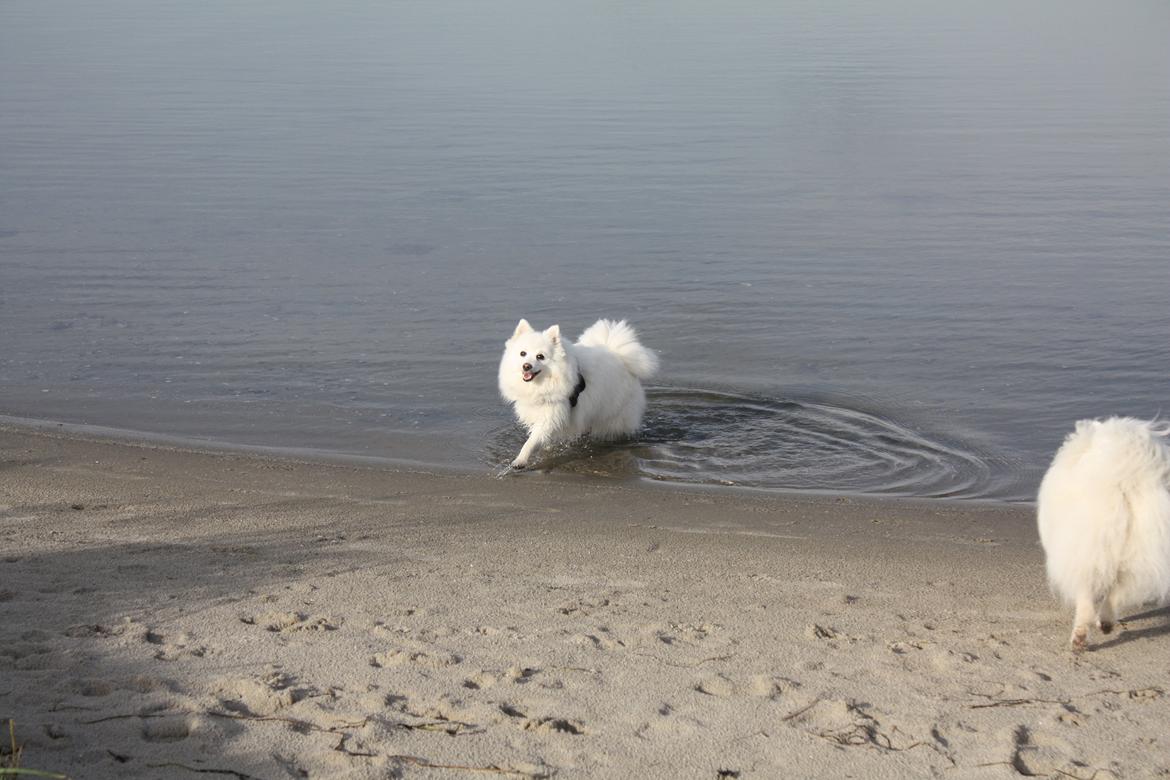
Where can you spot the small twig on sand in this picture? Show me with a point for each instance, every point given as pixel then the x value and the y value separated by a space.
pixel 802 710
pixel 1015 703
pixel 232 772
pixel 1022 702
pixel 1090 777
pixel 295 722
pixel 159 714
pixel 685 666
pixel 492 769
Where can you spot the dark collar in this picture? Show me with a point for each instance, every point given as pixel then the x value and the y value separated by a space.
pixel 577 390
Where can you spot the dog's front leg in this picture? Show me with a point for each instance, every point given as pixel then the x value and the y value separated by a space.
pixel 549 427
pixel 535 439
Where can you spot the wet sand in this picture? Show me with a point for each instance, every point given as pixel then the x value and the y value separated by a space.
pixel 168 613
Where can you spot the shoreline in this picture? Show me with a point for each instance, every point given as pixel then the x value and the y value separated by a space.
pixel 309 456
pixel 164 612
pixel 207 446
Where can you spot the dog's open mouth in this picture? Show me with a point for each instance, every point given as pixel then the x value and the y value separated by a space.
pixel 528 376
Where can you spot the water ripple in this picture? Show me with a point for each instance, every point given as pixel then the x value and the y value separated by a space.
pixel 707 437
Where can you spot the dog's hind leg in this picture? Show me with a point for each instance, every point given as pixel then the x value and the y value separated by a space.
pixel 1086 613
pixel 1107 617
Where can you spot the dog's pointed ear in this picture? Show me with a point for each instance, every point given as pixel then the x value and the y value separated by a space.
pixel 554 334
pixel 522 327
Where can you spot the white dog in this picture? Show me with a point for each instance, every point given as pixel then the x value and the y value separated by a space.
pixel 1104 518
pixel 561 390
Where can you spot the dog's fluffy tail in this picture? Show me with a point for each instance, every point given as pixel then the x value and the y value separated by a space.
pixel 621 339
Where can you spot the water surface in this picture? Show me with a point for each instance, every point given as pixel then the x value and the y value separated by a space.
pixel 886 247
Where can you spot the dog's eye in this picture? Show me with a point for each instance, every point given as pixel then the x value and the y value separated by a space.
pixel 523 354
pixel 540 357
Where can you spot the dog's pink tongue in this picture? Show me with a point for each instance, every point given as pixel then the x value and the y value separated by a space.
pixel 528 376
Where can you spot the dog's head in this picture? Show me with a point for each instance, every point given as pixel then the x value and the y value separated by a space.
pixel 531 355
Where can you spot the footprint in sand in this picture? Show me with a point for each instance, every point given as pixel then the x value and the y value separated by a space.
pixel 507 632
pixel 174 648
pixel 431 659
pixel 819 632
pixel 26 656
pixel 281 622
pixel 171 729
pixel 717 685
pixel 679 634
pixel 550 724
pixel 480 681
pixel 55 731
pixel 1146 694
pixel 91 687
pixel 93 631
pixel 446 714
pixel 602 639
pixel 1037 754
pixel 558 725
pixel 520 675
pixel 147 684
pixel 585 606
pixel 264 696
pixel 760 686
pixel 851 724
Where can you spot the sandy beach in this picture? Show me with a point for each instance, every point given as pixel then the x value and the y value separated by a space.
pixel 168 613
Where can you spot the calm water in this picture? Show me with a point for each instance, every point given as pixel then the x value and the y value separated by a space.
pixel 881 246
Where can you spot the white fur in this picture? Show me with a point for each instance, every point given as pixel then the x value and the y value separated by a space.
pixel 1104 519
pixel 612 361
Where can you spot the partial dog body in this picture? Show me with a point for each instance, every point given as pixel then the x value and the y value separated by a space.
pixel 561 390
pixel 1104 519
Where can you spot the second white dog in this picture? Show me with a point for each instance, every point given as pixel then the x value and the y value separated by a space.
pixel 561 390
pixel 1104 518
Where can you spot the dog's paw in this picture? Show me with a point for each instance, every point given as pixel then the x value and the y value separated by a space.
pixel 510 469
pixel 1079 639
pixel 518 465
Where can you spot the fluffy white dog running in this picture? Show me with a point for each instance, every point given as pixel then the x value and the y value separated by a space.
pixel 1104 518
pixel 561 390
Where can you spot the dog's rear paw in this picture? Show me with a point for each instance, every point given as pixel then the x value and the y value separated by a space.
pixel 1106 626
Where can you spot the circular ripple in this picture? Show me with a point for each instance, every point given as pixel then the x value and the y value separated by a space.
pixel 699 436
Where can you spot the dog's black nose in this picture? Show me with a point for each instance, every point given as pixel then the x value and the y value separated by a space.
pixel 527 366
